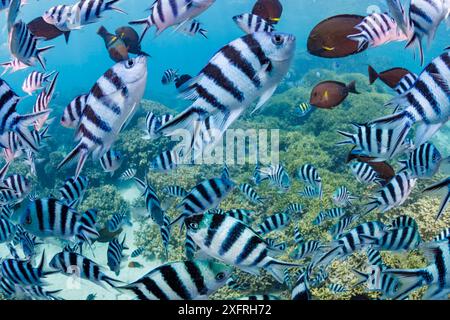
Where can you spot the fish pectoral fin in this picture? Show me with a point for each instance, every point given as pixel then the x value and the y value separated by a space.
pixel 252 270
pixel 265 97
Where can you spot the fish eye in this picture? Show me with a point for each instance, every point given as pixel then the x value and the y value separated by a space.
pixel 220 276
pixel 129 64
pixel 277 40
pixel 193 226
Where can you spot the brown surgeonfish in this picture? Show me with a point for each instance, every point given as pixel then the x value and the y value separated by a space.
pixel 329 38
pixel 269 10
pixel 116 47
pixel 42 29
pixel 383 169
pixel 131 39
pixel 330 94
pixel 390 77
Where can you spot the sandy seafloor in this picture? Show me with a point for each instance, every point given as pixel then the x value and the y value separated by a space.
pixel 74 289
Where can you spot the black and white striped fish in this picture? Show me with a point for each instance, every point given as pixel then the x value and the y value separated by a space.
pixel 337 288
pixel 232 242
pixel 378 29
pixel 165 234
pixel 335 213
pixel 310 192
pixel 193 28
pixel 47 217
pixel 22 272
pixel 251 193
pixel 373 142
pixel 13 66
pixel 342 197
pixel 167 13
pixel 74 264
pixel 321 217
pixel 276 174
pixel 260 297
pixel 7 230
pixel 374 257
pixel 393 194
pixel 190 248
pixel 117 221
pixel 28 243
pixel 152 201
pixel 337 229
pixel 350 242
pixel 295 209
pixel 298 238
pixel 35 81
pixel 73 112
pixel 307 249
pixel 364 173
pixel 403 239
pixel 441 187
pixel 169 76
pixel 301 288
pixel 206 195
pixel 115 254
pixel 406 83
pixel 377 280
pixel 425 17
pixel 250 23
pixel 17 188
pixel 73 190
pixel 188 280
pixel 247 69
pixel 175 191
pixel 427 103
pixel 309 175
pixel 403 221
pixel 128 174
pixel 111 161
pixel 23 45
pixel 111 103
pixel 84 12
pixel 435 275
pixel 11 121
pixel 423 162
pixel 137 252
pixel 274 222
pixel 277 247
pixel 38 293
pixel 167 161
pixel 443 236
pixel 43 101
pixel 233 284
pixel 240 214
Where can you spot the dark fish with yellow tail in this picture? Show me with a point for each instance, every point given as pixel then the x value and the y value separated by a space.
pixel 330 94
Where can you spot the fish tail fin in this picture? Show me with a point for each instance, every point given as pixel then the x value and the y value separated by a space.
pixel 49 75
pixel 415 40
pixel 81 151
pixel 373 75
pixel 439 187
pixel 204 33
pixel 350 138
pixel 371 206
pixel 110 6
pixel 148 25
pixel 361 277
pixel 410 280
pixel 22 131
pixel 277 268
pixel 351 87
pixel 112 282
pixel 39 57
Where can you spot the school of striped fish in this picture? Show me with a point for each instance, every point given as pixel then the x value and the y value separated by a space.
pixel 236 82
